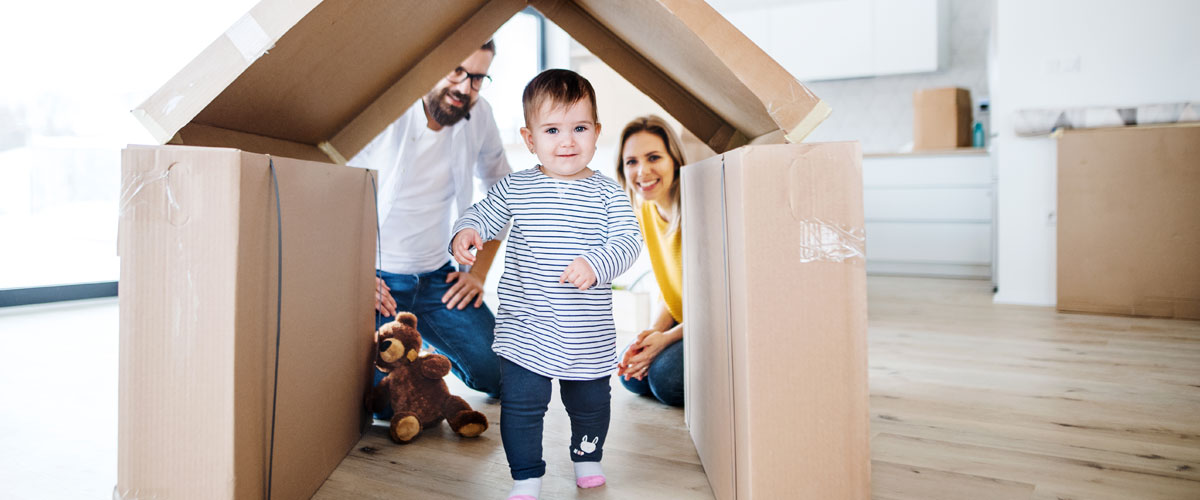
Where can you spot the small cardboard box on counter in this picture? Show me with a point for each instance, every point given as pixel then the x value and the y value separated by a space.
pixel 776 311
pixel 203 305
pixel 318 80
pixel 941 118
pixel 1129 221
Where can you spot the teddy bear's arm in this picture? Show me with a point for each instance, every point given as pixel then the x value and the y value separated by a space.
pixel 435 366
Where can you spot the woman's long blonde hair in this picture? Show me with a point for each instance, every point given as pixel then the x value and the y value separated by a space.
pixel 659 127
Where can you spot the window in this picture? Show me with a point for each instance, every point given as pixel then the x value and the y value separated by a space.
pixel 74 69
pixel 518 60
pixel 65 119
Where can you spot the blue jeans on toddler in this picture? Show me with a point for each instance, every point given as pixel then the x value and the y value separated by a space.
pixel 664 379
pixel 523 401
pixel 464 336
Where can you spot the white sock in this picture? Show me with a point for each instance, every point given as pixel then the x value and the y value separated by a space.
pixel 589 474
pixel 529 487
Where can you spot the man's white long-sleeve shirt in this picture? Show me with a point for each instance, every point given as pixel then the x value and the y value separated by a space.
pixel 426 182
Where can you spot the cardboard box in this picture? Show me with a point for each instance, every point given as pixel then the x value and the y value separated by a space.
pixel 1129 221
pixel 337 74
pixel 776 312
pixel 200 249
pixel 942 118
pixel 317 80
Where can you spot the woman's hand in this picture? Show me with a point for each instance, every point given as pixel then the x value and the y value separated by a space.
pixel 634 349
pixel 642 352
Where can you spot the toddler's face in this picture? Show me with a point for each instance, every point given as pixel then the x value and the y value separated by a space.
pixel 563 138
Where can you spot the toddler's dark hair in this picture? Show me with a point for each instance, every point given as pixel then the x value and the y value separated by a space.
pixel 560 88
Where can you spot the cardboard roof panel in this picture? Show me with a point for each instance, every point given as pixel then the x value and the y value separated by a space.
pixel 342 56
pixel 699 51
pixel 194 87
pixel 438 58
pixel 640 70
pixel 337 72
pixel 326 69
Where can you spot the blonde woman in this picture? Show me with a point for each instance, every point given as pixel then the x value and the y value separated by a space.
pixel 648 169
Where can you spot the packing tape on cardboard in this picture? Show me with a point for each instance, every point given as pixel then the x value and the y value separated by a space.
pixel 332 153
pixel 822 241
pixel 131 186
pixel 249 38
pixel 781 111
pixel 818 114
pixel 160 134
pixel 177 213
pixel 133 494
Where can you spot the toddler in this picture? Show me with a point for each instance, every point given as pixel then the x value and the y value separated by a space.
pixel 573 231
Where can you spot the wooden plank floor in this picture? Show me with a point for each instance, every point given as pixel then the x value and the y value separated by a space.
pixel 968 400
pixel 648 454
pixel 974 400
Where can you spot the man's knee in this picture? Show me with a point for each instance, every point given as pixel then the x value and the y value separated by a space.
pixel 465 336
pixel 485 376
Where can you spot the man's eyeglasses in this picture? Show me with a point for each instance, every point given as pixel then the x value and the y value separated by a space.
pixel 478 80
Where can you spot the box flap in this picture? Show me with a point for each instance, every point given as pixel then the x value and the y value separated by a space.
pixel 315 79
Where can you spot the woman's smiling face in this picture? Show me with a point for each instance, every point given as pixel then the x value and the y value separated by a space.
pixel 648 168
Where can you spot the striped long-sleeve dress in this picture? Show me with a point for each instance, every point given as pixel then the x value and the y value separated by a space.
pixel 551 328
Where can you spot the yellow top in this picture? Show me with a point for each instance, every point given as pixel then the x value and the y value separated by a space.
pixel 665 257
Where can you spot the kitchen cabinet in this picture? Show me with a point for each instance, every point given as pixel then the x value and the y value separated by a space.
pixel 846 38
pixel 930 214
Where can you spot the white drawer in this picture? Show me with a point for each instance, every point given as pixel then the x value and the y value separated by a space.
pixel 927 171
pixel 958 243
pixel 927 204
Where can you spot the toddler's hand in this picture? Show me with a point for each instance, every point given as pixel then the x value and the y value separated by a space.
pixel 579 273
pixel 463 241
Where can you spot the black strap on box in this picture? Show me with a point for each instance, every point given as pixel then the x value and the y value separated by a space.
pixel 279 301
pixel 378 248
pixel 278 318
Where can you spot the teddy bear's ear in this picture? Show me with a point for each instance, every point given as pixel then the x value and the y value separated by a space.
pixel 407 318
pixel 386 330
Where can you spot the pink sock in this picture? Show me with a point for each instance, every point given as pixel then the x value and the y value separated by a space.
pixel 589 474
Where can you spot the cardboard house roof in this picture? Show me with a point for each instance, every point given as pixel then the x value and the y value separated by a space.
pixel 318 80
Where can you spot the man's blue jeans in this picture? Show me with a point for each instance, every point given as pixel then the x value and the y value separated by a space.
pixel 464 336
pixel 526 395
pixel 664 379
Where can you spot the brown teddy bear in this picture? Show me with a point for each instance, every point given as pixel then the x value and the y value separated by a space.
pixel 414 388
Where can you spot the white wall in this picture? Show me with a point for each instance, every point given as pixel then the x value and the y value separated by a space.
pixel 1072 53
pixel 878 111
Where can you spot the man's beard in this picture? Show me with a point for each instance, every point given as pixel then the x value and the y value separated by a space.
pixel 445 114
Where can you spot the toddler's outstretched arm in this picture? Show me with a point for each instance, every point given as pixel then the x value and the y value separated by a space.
pixel 481 222
pixel 462 243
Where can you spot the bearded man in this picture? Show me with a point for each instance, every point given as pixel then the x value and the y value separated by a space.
pixel 428 160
